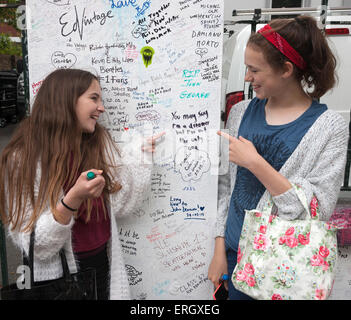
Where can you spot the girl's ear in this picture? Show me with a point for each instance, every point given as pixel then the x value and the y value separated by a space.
pixel 288 69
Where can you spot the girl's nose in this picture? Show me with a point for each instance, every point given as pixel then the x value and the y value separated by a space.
pixel 101 108
pixel 248 77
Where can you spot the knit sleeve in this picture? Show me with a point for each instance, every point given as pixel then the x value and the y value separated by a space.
pixel 227 169
pixel 326 175
pixel 50 235
pixel 133 172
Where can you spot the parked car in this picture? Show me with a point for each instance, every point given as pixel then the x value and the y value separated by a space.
pixel 8 97
pixel 12 96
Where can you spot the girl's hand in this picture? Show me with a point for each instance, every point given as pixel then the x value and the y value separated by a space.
pixel 218 266
pixel 151 142
pixel 87 189
pixel 83 189
pixel 241 151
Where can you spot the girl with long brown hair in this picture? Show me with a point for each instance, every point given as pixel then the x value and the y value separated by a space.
pixel 283 136
pixel 44 183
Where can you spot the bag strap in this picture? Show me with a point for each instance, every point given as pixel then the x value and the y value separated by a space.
pixel 300 194
pixel 29 261
pixel 302 197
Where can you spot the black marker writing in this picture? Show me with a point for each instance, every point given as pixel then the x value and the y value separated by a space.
pixel 79 23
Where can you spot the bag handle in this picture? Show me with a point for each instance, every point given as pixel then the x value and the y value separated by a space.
pixel 302 197
pixel 30 260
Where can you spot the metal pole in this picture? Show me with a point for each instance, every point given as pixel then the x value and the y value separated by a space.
pixel 24 41
pixel 323 15
pixel 288 11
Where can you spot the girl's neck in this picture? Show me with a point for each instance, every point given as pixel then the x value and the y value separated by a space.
pixel 292 97
pixel 286 107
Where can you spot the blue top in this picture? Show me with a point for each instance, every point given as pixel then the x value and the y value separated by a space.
pixel 275 143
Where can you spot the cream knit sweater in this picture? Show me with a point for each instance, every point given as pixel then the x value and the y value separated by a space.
pixel 50 236
pixel 317 165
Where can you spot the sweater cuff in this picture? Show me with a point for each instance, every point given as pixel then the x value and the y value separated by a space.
pixel 289 205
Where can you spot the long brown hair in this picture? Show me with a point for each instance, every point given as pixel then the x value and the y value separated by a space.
pixel 51 138
pixel 303 34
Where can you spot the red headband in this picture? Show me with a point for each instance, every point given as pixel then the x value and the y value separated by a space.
pixel 283 46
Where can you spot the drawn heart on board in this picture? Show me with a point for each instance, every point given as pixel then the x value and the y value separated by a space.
pixel 63 61
pixel 126 128
pixel 201 51
pixel 202 208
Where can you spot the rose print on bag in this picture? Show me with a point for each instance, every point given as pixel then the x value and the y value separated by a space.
pixel 317 260
pixel 285 260
pixel 321 294
pixel 314 207
pixel 262 229
pixel 239 256
pixel 294 238
pixel 251 281
pixel 246 276
pixel 322 260
pixel 276 297
pixel 241 275
pixel 249 269
pixel 260 242
pixel 304 239
pixel 279 296
pixel 258 214
pixel 323 252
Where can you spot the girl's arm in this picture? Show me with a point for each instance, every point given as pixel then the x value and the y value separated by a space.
pixel 326 157
pixel 323 178
pixel 133 173
pixel 53 227
pixel 243 153
pixel 50 235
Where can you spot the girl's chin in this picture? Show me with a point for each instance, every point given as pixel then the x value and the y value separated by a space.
pixel 89 129
pixel 259 94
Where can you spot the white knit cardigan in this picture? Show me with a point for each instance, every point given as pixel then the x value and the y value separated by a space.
pixel 133 174
pixel 317 165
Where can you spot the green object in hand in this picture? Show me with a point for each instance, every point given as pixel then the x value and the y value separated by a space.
pixel 90 175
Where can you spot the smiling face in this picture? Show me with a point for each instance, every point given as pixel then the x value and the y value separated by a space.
pixel 89 107
pixel 266 81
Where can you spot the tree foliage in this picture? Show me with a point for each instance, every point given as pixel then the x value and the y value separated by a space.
pixel 9 16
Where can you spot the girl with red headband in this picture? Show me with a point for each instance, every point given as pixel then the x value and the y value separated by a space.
pixel 283 136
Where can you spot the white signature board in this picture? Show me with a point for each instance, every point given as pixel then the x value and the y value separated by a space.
pixel 159 66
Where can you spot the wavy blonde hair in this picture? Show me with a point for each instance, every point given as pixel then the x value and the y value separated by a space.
pixel 51 137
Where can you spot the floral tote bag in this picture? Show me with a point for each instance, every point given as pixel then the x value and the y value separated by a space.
pixel 286 260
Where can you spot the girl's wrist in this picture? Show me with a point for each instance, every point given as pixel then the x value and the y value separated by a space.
pixel 255 163
pixel 72 200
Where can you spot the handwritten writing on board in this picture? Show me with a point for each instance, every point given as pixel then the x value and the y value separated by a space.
pixel 342 284
pixel 61 60
pixel 171 85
